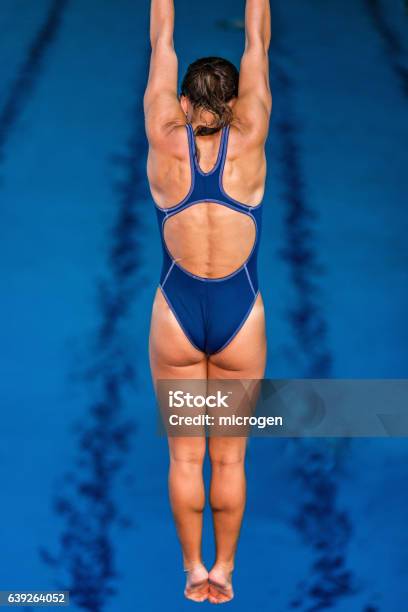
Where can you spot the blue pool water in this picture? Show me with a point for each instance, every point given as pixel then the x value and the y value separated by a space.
pixel 82 471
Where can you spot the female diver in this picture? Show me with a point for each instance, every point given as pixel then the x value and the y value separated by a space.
pixel 206 168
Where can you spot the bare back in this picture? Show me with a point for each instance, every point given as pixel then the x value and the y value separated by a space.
pixel 209 240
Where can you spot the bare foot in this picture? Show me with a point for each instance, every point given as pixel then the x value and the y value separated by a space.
pixel 220 584
pixel 197 583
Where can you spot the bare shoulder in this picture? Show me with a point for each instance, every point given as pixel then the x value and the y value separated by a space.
pixel 246 139
pixel 245 168
pixel 169 140
pixel 168 168
pixel 251 122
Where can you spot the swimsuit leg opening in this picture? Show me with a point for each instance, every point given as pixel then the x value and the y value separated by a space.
pixel 183 329
pixel 242 323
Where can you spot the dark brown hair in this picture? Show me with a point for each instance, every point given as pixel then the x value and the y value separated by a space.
pixel 209 83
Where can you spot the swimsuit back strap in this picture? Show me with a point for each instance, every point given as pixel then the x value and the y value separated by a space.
pixel 191 143
pixel 221 150
pixel 224 146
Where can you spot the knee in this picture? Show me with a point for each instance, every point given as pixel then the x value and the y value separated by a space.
pixel 227 454
pixel 227 460
pixel 187 462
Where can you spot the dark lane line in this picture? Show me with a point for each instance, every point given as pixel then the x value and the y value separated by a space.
pixel 324 527
pixel 306 317
pixel 29 72
pixel 391 42
pixel 86 500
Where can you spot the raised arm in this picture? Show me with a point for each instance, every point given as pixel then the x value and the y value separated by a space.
pixel 254 103
pixel 161 105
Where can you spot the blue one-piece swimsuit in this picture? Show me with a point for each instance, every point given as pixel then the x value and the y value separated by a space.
pixel 210 311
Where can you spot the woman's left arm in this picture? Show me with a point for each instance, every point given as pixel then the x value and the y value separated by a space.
pixel 162 107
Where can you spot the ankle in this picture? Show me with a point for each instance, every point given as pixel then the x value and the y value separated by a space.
pixel 192 564
pixel 225 566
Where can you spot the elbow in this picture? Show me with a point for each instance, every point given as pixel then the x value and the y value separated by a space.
pixel 258 43
pixel 162 39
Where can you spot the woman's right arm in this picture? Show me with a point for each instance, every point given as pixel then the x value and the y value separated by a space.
pixel 254 103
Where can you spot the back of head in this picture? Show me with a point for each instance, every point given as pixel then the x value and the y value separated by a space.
pixel 210 83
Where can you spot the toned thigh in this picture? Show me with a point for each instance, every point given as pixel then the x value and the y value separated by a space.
pixel 244 358
pixel 172 356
